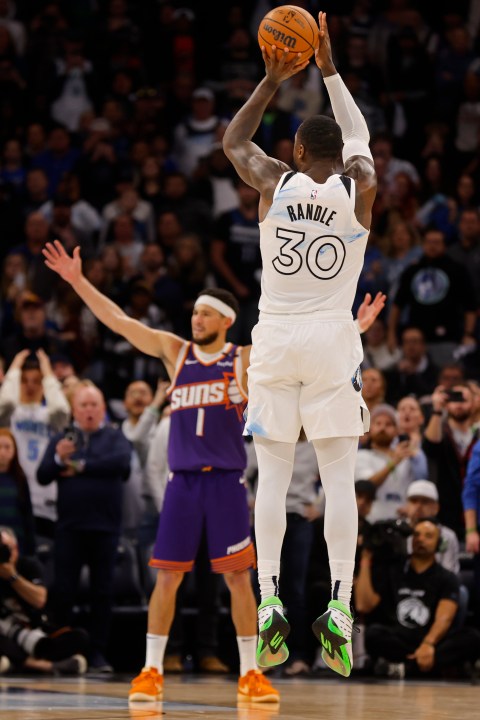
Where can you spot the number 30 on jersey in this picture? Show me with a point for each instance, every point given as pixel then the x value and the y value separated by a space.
pixel 324 256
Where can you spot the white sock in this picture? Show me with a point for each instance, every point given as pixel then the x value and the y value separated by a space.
pixel 247 647
pixel 156 645
pixel 341 573
pixel 268 578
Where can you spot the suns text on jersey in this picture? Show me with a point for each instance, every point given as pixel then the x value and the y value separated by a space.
pixel 311 211
pixel 198 394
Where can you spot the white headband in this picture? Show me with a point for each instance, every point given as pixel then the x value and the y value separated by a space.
pixel 218 305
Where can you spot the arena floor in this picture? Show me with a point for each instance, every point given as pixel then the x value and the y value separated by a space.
pixel 193 696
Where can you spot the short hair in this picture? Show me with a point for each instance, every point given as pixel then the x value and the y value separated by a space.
pixel 224 295
pixel 321 136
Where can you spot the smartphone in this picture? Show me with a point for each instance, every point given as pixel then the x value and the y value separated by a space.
pixel 72 434
pixel 403 437
pixel 455 396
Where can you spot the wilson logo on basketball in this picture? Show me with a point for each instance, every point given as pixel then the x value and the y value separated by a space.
pixel 279 36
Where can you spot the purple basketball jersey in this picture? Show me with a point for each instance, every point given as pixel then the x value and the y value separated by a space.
pixel 207 403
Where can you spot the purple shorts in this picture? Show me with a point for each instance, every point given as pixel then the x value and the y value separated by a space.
pixel 216 500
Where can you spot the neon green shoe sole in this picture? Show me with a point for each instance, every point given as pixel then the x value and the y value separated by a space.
pixel 336 641
pixel 271 648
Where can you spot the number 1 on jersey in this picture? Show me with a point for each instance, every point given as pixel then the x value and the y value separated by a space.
pixel 200 421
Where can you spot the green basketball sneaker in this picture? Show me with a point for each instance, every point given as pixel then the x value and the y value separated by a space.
pixel 333 630
pixel 273 630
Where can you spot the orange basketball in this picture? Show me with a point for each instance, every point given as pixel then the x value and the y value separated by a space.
pixel 291 27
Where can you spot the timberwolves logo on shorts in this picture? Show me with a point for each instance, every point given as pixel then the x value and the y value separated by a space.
pixel 357 379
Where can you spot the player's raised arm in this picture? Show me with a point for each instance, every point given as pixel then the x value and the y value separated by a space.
pixel 250 161
pixel 152 342
pixel 356 154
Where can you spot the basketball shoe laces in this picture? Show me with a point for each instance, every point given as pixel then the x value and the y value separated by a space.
pixel 266 613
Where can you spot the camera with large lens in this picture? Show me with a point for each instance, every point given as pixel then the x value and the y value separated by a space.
pixel 5 553
pixel 387 539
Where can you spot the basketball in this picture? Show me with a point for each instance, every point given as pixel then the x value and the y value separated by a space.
pixel 289 27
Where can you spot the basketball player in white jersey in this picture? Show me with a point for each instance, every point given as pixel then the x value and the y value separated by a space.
pixel 304 368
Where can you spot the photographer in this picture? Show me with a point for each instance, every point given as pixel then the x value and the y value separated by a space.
pixel 448 441
pixel 24 639
pixel 89 463
pixel 418 602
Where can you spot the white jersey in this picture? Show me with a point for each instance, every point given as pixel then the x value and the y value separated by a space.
pixel 30 425
pixel 312 246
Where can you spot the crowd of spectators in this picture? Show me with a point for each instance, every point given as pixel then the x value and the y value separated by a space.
pixel 111 123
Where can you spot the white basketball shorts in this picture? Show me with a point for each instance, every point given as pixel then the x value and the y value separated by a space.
pixel 305 371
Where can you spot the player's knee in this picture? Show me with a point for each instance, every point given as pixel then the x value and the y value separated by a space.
pixel 238 581
pixel 169 580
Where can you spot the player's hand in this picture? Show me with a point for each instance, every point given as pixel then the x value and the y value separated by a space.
pixel 278 67
pixel 58 260
pixel 369 311
pixel 323 53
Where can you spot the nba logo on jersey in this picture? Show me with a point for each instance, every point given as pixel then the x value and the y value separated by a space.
pixel 313 194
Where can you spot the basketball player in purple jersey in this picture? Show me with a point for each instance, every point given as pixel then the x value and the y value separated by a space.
pixel 206 457
pixel 306 351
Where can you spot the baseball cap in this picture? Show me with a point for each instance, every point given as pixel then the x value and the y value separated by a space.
pixel 366 487
pixel 384 409
pixel 30 298
pixel 423 488
pixel 203 93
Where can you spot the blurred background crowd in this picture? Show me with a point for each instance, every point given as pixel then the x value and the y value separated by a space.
pixel 111 120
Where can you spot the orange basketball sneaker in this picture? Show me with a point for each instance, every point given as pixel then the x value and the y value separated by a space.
pixel 147 686
pixel 254 687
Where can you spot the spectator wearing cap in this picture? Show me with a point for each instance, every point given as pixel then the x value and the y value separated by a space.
pixel 195 136
pixel 422 502
pixel 34 331
pixel 390 463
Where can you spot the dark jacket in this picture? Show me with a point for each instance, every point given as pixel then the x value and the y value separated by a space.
pixel 92 498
